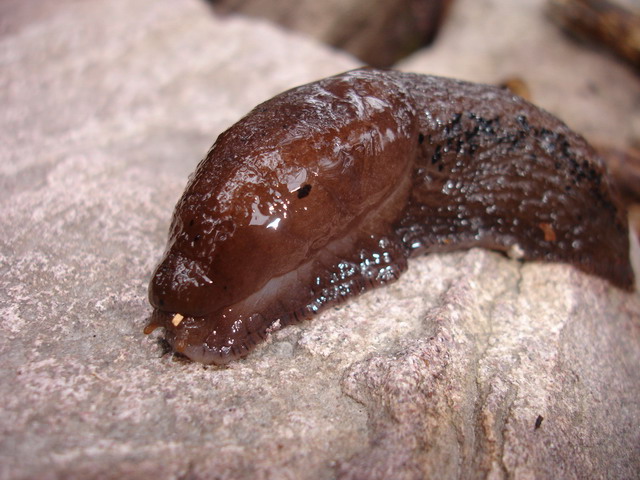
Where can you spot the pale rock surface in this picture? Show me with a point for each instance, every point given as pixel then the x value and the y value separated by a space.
pixel 106 107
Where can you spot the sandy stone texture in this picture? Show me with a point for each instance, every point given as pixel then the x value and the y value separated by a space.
pixel 471 366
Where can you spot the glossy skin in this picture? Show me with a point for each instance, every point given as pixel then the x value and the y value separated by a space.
pixel 326 190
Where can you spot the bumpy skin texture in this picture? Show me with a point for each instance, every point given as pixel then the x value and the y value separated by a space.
pixel 326 190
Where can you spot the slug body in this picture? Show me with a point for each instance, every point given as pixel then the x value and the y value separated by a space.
pixel 327 189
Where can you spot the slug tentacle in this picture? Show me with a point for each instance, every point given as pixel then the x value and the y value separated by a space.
pixel 325 191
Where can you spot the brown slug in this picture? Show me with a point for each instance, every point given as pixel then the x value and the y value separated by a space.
pixel 326 190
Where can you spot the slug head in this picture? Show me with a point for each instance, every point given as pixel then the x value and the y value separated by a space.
pixel 296 174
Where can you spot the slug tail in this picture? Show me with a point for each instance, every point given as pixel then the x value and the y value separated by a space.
pixel 496 172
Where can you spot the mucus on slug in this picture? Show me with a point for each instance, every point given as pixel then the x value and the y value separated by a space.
pixel 374 167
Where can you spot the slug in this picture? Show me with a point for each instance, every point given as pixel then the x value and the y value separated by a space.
pixel 325 191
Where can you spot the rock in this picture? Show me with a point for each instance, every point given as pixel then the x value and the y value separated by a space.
pixel 501 371
pixel 379 33
pixel 604 22
pixel 471 366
